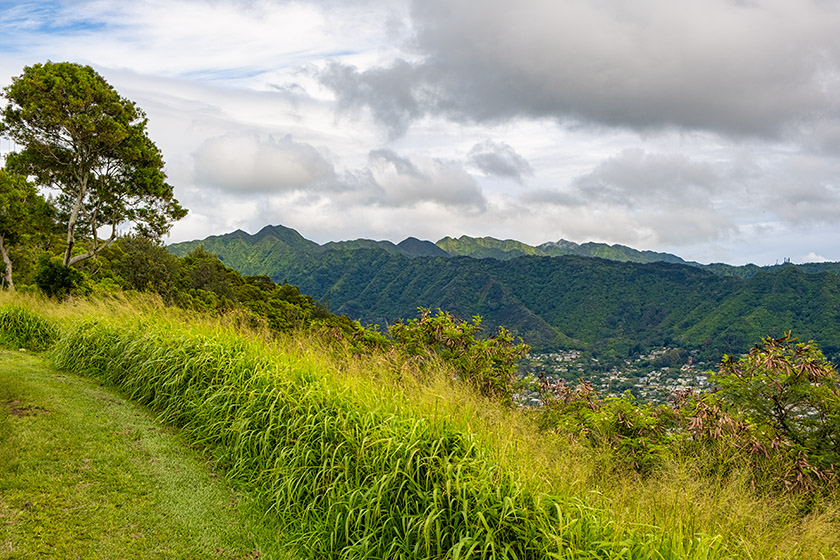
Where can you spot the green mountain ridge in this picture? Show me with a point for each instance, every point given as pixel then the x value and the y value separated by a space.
pixel 464 246
pixel 610 307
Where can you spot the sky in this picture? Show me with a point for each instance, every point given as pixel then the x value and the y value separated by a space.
pixel 705 128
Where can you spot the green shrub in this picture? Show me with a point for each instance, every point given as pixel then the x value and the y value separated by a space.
pixel 56 280
pixel 634 437
pixel 489 363
pixel 780 402
pixel 20 328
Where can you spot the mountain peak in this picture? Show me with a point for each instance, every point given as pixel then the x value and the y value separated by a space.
pixel 286 235
pixel 414 247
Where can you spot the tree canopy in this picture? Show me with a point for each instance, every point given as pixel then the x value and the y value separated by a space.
pixel 23 215
pixel 80 137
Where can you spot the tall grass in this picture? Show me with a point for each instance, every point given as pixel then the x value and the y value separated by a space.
pixel 349 467
pixel 359 457
pixel 22 328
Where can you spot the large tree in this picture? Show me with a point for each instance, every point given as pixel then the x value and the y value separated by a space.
pixel 81 138
pixel 23 215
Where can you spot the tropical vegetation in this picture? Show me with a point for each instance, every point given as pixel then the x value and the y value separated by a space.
pixel 612 310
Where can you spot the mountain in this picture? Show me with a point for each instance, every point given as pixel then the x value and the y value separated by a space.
pixel 414 247
pixel 489 247
pixel 604 251
pixel 278 239
pixel 386 246
pixel 610 307
pixel 486 248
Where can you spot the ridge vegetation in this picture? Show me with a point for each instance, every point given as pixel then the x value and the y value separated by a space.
pixel 377 455
pixel 613 309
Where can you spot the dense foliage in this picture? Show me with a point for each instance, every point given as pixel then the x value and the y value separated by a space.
pixel 79 136
pixel 25 219
pixel 611 309
pixel 788 395
pixel 487 363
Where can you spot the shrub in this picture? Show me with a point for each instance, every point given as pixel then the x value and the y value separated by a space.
pixel 56 280
pixel 781 399
pixel 489 363
pixel 636 437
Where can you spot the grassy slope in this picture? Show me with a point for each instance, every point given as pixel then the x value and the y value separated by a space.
pixel 86 474
pixel 370 397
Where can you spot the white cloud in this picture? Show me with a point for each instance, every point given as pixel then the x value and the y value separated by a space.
pixel 405 182
pixel 812 257
pixel 246 162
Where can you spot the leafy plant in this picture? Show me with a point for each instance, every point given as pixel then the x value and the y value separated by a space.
pixel 488 363
pixel 56 280
pixel 24 216
pixel 636 437
pixel 21 328
pixel 786 395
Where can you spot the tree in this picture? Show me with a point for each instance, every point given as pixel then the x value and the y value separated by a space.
pixel 79 136
pixel 145 264
pixel 23 213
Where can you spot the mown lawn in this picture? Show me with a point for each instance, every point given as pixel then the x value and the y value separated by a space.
pixel 86 474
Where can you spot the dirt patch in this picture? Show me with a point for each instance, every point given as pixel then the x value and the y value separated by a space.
pixel 20 409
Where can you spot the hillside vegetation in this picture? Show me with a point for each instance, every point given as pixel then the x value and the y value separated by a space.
pixel 377 455
pixel 610 308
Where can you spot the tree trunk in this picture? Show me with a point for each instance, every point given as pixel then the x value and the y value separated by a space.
pixel 97 248
pixel 8 273
pixel 71 223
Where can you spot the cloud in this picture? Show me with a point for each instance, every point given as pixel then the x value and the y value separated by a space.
pixel 391 94
pixel 801 190
pixel 812 257
pixel 221 40
pixel 500 160
pixel 250 163
pixel 642 197
pixel 633 176
pixel 735 68
pixel 671 199
pixel 403 182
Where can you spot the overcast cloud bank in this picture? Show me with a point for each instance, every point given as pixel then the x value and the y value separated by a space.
pixel 708 128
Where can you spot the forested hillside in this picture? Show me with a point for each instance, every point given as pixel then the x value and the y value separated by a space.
pixel 611 308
